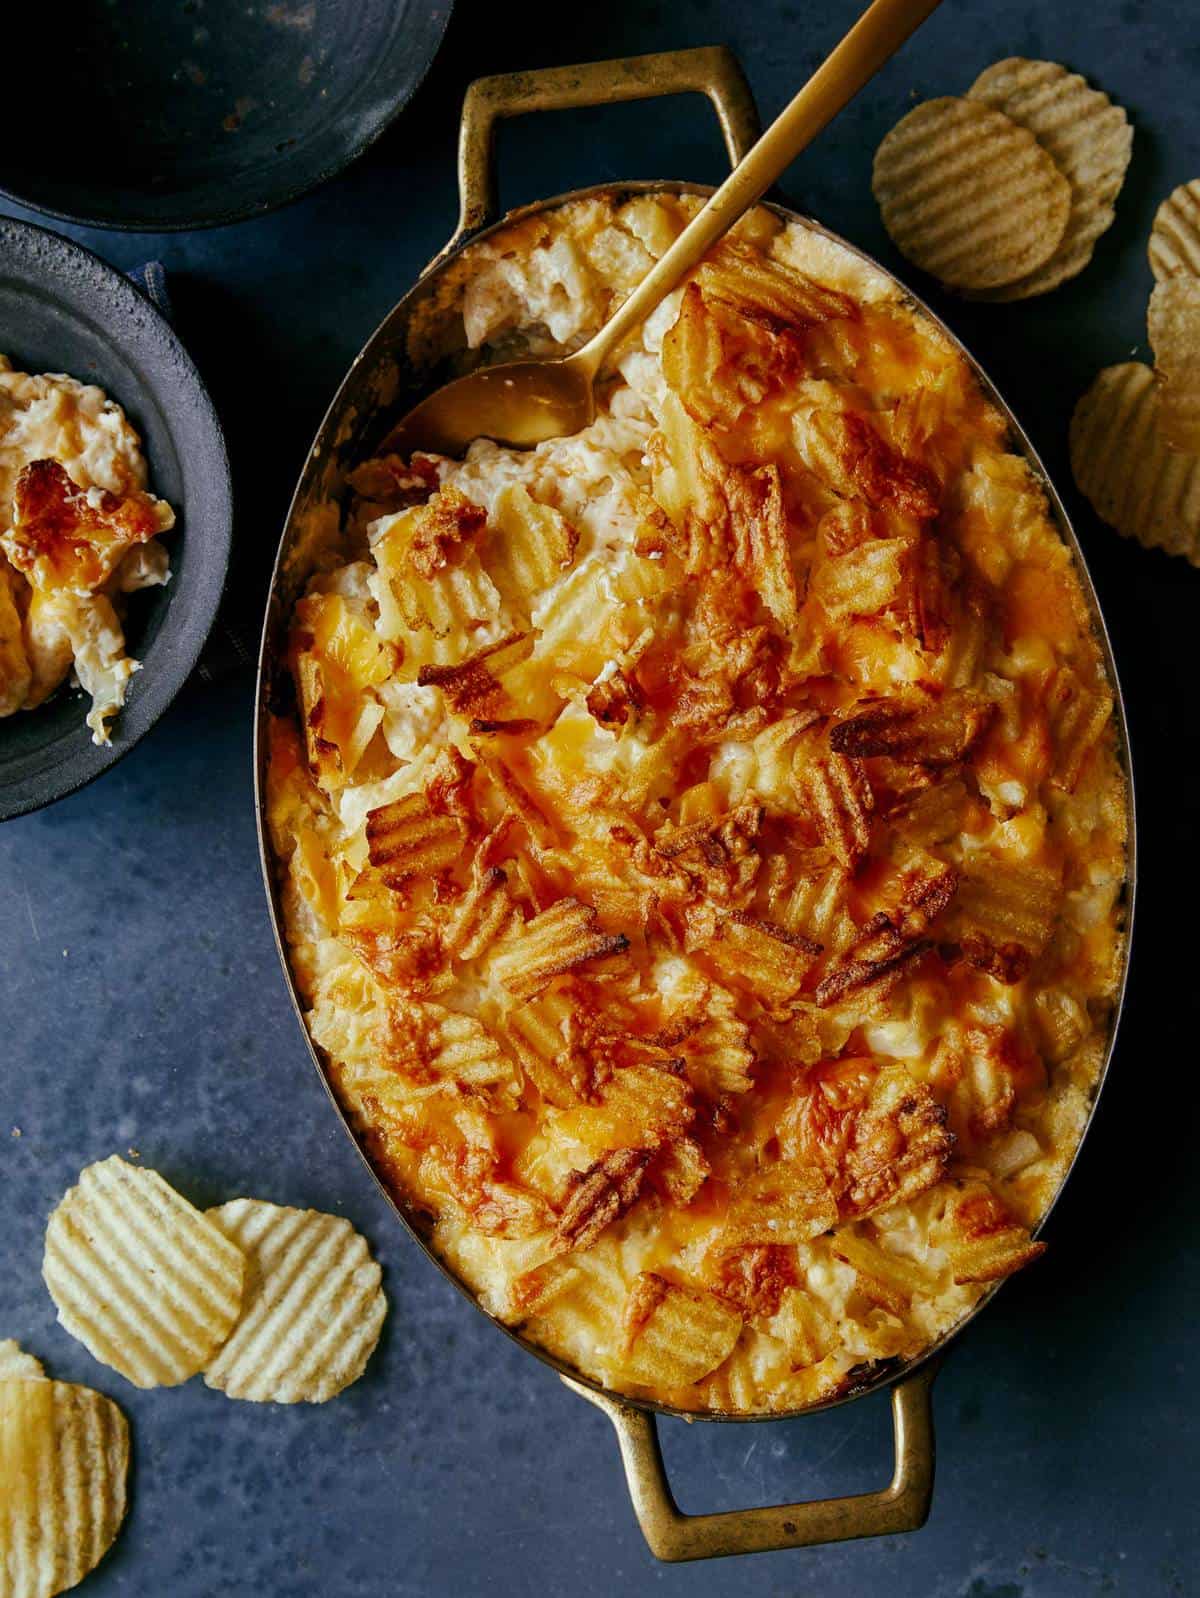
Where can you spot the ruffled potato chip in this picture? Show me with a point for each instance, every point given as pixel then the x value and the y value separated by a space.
pixel 674 1335
pixel 529 545
pixel 1124 466
pixel 147 1284
pixel 64 1457
pixel 983 1240
pixel 18 1366
pixel 314 1307
pixel 968 195
pixel 562 937
pixel 1174 325
pixel 1175 236
pixel 1090 141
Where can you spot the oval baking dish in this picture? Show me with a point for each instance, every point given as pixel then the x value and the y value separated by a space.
pixel 398 364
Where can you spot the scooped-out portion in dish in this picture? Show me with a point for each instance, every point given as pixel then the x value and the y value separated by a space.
pixel 78 534
pixel 702 840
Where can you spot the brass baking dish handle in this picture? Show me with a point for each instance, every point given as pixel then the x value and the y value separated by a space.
pixel 903 1505
pixel 713 70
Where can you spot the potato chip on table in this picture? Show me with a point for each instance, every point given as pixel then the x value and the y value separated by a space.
pixel 139 1276
pixel 18 1366
pixel 314 1306
pixel 1090 141
pixel 1175 236
pixel 64 1457
pixel 1174 325
pixel 1124 466
pixel 970 196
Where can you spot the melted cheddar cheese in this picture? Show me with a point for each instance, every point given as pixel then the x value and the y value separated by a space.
pixel 702 839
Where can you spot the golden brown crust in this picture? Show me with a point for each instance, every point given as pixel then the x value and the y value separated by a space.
pixel 62 536
pixel 713 930
pixel 598 1196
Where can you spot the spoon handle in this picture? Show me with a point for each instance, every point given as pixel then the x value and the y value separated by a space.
pixel 875 37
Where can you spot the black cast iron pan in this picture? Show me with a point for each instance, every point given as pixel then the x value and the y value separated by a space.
pixel 196 112
pixel 64 310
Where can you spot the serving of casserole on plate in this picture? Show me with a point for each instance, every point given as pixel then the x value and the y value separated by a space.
pixel 78 533
pixel 702 840
pixel 115 516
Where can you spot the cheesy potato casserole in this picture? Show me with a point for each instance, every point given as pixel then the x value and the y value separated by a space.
pixel 702 840
pixel 78 532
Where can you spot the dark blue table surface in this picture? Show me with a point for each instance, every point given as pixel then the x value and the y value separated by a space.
pixel 141 1004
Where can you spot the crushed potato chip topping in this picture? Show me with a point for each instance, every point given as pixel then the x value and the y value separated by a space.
pixel 702 839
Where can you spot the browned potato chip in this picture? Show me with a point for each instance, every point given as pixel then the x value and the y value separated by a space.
pixel 408 838
pixel 781 1203
pixel 426 1042
pixel 982 1238
pixel 718 1055
pixel 138 1275
pixel 765 959
pixel 1123 465
pixel 64 1455
pixel 1175 236
pixel 1174 323
pixel 673 1335
pixel 313 1310
pixel 805 1326
pixel 435 609
pixel 18 1366
pixel 1090 141
pixel 1077 715
pixel 968 195
pixel 896 1275
pixel 557 940
pixel 1007 905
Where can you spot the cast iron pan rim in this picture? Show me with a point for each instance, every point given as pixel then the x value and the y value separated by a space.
pixel 889 1371
pixel 143 222
pixel 162 685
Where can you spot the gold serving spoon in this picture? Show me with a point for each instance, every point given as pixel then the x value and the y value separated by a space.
pixel 522 403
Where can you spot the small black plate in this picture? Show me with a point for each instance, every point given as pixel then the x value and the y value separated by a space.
pixel 63 310
pixel 187 115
